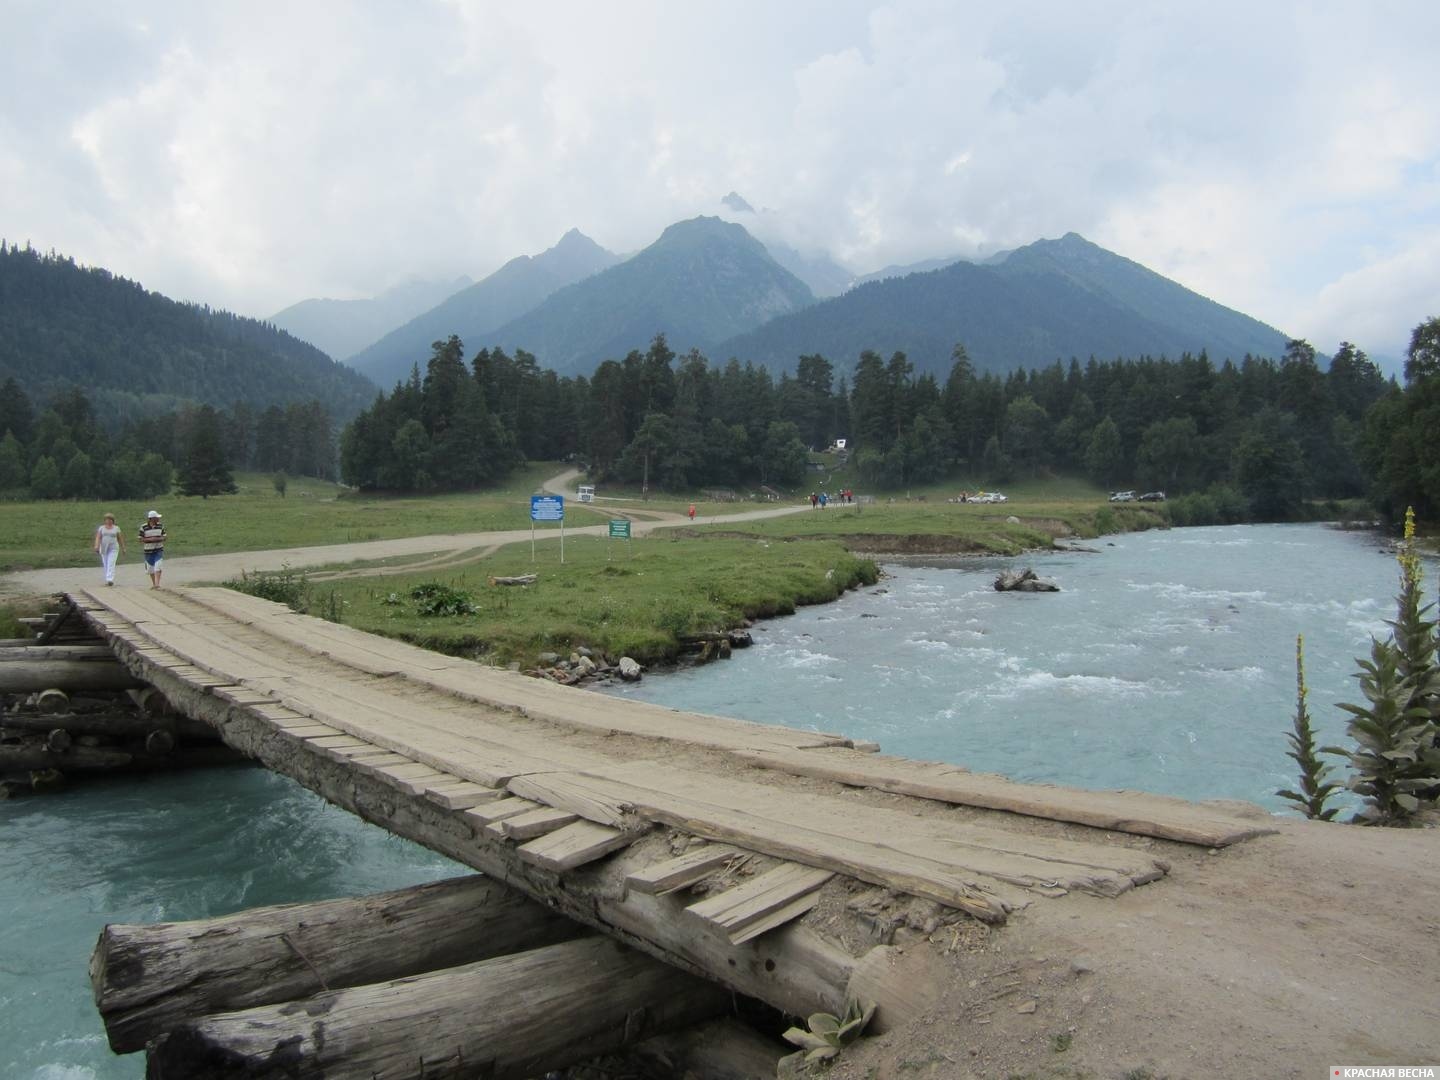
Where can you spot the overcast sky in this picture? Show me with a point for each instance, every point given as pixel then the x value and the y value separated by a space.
pixel 1281 158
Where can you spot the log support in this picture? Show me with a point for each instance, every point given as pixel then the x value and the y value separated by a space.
pixel 147 980
pixel 505 1019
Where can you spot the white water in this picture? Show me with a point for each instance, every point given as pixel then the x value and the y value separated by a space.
pixel 1166 664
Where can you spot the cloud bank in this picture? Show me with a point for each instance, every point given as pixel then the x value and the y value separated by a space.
pixel 1281 158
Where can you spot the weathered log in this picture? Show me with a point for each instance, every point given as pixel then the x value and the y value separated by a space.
pixel 28 654
pixel 52 701
pixel 522 579
pixel 34 754
pixel 511 1017
pixel 159 743
pixel 151 701
pixel 25 756
pixel 119 724
pixel 97 674
pixel 58 740
pixel 149 979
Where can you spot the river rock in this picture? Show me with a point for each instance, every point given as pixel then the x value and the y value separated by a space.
pixel 586 666
pixel 740 639
pixel 547 658
pixel 629 669
pixel 1023 581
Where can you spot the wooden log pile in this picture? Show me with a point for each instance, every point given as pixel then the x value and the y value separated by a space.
pixel 71 708
pixel 456 978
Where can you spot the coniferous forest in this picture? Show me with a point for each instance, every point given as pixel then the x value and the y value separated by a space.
pixel 1253 439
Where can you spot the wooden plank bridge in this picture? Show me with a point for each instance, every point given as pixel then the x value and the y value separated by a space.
pixel 714 845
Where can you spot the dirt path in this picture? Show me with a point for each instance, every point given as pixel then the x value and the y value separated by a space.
pixel 428 552
pixel 1276 958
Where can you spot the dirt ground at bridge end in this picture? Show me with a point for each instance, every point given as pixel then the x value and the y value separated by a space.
pixel 1275 958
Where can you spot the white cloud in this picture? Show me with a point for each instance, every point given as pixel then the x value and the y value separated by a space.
pixel 1280 158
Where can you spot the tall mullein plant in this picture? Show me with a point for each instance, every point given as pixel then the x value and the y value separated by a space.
pixel 1315 785
pixel 1395 761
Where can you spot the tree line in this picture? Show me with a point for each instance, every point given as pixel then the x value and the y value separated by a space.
pixel 1270 433
pixel 65 450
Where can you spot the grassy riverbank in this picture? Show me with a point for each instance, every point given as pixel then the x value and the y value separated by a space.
pixel 632 599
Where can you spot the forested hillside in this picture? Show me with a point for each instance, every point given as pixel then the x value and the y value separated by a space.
pixel 1052 300
pixel 138 353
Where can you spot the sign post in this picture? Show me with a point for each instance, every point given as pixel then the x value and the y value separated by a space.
pixel 547 508
pixel 620 530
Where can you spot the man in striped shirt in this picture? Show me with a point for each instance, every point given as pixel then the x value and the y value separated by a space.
pixel 152 541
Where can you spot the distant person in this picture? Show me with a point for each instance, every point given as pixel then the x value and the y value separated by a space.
pixel 152 541
pixel 109 545
pixel 692 511
pixel 814 500
pixel 824 500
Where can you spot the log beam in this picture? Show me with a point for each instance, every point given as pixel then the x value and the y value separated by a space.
pixel 149 979
pixel 119 724
pixel 504 1019
pixel 27 676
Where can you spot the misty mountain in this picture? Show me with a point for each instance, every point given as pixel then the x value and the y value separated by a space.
pixel 341 328
pixel 137 353
pixel 894 271
pixel 703 281
pixel 821 273
pixel 735 201
pixel 474 313
pixel 1050 300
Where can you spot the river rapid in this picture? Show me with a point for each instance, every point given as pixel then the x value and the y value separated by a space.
pixel 1166 664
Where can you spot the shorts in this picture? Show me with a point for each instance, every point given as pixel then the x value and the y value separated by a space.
pixel 154 560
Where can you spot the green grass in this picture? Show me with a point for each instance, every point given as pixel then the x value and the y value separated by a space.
pixel 52 533
pixel 605 598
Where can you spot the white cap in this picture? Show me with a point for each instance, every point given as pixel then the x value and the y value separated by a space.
pixel 153 513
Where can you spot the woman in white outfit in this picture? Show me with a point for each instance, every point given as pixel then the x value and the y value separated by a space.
pixel 109 545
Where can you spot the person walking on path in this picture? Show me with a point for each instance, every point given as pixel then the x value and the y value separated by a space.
pixel 109 545
pixel 152 539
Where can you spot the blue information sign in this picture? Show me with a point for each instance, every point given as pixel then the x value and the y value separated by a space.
pixel 547 507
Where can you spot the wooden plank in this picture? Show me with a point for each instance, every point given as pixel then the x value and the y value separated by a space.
pixel 481 816
pixel 1130 812
pixel 776 890
pixel 463 796
pixel 380 762
pixel 555 789
pixel 416 785
pixel 309 731
pixel 573 845
pixel 777 918
pixel 533 823
pixel 672 874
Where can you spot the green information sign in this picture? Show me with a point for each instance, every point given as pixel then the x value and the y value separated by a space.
pixel 619 529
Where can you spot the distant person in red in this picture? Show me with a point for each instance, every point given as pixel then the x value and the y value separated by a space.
pixel 692 511
pixel 152 541
pixel 814 500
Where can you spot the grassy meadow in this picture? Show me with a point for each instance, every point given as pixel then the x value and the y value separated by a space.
pixel 36 535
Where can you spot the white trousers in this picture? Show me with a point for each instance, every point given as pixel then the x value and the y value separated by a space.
pixel 108 555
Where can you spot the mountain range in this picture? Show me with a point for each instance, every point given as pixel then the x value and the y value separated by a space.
pixel 703 281
pixel 709 284
pixel 1053 299
pixel 476 312
pixel 341 328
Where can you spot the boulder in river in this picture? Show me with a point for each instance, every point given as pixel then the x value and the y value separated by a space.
pixel 629 669
pixel 1023 581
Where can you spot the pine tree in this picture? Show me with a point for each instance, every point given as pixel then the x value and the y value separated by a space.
pixel 205 471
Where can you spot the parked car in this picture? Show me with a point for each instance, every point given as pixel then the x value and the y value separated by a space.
pixel 1122 496
pixel 1153 496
